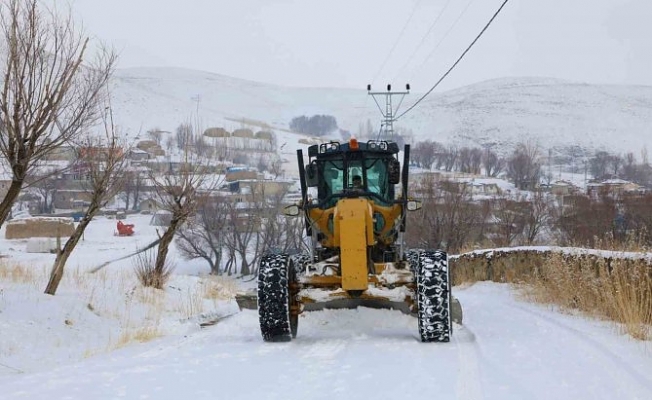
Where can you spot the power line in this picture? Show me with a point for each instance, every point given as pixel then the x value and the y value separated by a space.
pixel 391 51
pixel 458 60
pixel 423 39
pixel 459 18
pixel 414 9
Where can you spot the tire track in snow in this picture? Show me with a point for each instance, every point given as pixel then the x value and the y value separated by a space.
pixel 321 363
pixel 498 380
pixel 610 360
pixel 469 379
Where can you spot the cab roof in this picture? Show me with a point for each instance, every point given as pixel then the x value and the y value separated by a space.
pixel 331 148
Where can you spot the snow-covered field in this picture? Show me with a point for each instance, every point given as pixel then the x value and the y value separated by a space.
pixel 84 343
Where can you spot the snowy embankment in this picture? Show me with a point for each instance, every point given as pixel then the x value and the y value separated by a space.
pixel 505 350
pixel 84 343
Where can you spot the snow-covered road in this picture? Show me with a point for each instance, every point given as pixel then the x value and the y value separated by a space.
pixel 506 349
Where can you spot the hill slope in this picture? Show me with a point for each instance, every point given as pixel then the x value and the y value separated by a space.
pixel 496 113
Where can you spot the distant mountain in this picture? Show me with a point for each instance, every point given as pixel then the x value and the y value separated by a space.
pixel 556 114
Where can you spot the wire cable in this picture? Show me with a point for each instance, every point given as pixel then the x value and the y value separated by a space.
pixel 423 39
pixel 362 108
pixel 414 10
pixel 456 62
pixel 459 18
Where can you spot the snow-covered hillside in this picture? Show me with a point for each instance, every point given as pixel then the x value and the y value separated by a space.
pixel 556 114
pixel 497 113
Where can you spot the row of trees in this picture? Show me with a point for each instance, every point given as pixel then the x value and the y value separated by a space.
pixel 231 237
pixel 607 165
pixel 317 125
pixel 453 220
pixel 428 154
pixel 523 166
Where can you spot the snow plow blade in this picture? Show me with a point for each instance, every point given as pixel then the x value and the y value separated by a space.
pixel 249 301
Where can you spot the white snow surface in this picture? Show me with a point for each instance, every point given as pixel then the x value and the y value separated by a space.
pixel 57 347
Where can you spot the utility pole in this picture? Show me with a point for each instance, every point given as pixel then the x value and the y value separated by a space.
pixel 387 125
pixel 197 99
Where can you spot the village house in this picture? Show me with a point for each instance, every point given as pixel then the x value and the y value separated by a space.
pixel 137 156
pixel 247 189
pixel 563 188
pixel 613 187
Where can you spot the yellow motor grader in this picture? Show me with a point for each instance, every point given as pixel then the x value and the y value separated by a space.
pixel 355 222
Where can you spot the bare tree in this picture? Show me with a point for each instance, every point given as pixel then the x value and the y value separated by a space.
pixel 469 160
pixel 280 233
pixel 630 167
pixel 156 134
pixel 475 161
pixel 510 218
pixel 448 158
pixel 583 220
pixel 183 135
pixel 615 163
pixel 103 160
pixel 424 154
pixel 201 146
pixel 599 164
pixel 169 143
pixel 538 216
pixel 276 167
pixel 493 165
pixel 242 236
pixel 638 216
pixel 48 94
pixel 252 225
pixel 463 162
pixel 524 167
pixel 45 184
pixel 203 235
pixel 449 219
pixel 177 192
pixel 132 188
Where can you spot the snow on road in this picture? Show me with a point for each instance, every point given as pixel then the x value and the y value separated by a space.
pixel 506 350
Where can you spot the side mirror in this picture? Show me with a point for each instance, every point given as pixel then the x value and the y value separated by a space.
pixel 312 178
pixel 291 211
pixel 394 171
pixel 413 205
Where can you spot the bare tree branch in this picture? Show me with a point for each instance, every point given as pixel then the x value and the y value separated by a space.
pixel 103 161
pixel 50 92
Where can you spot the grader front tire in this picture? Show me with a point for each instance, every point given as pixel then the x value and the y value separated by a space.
pixel 276 324
pixel 433 295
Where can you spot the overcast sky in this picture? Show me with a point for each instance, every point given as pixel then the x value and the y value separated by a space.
pixel 345 43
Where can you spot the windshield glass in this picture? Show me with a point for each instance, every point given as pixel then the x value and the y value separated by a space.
pixel 355 178
pixel 368 175
pixel 377 177
pixel 333 182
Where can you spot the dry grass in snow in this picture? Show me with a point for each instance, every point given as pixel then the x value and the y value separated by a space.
pixel 615 289
pixel 103 311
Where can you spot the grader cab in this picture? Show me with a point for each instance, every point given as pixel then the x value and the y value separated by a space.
pixel 355 223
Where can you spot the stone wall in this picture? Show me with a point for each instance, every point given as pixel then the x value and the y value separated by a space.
pixel 519 264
